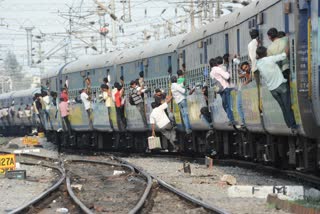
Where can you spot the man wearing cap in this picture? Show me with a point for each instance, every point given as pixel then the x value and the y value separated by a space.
pixel 135 93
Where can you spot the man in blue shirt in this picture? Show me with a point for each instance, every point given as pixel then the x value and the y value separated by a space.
pixel 276 83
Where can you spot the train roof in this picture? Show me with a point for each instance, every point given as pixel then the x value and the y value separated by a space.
pixel 26 93
pixel 6 95
pixel 89 62
pixel 227 21
pixel 154 48
pixel 51 72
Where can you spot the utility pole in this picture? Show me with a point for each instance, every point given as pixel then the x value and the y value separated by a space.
pixel 40 61
pixel 218 14
pixel 29 43
pixel 113 17
pixel 69 47
pixel 169 26
pixel 114 24
pixel 102 31
pixel 192 16
pixel 126 7
pixel 200 6
pixel 210 11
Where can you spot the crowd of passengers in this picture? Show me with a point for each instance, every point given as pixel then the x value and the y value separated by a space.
pixel 271 63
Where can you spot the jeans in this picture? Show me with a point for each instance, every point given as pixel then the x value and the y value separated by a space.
pixel 67 125
pixel 122 123
pixel 89 112
pixel 226 103
pixel 47 116
pixel 185 116
pixel 140 107
pixel 239 107
pixel 282 95
pixel 170 134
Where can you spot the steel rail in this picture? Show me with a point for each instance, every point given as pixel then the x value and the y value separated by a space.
pixel 137 207
pixel 176 191
pixel 44 194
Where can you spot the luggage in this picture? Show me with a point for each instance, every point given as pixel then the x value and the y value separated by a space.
pixel 154 143
pixel 217 87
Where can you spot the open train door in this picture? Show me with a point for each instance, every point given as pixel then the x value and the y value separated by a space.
pixel 314 62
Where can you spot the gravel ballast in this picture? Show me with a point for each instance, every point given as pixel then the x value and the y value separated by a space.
pixel 15 193
pixel 205 183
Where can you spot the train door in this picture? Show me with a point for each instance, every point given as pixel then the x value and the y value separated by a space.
pixel 315 45
pixel 226 37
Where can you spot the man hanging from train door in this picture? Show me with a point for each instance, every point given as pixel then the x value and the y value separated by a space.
pixel 159 118
pixel 278 46
pixel 276 83
pixel 87 105
pixel 135 94
pixel 179 95
pixel 222 76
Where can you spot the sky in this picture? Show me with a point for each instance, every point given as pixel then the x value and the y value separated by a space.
pixel 51 21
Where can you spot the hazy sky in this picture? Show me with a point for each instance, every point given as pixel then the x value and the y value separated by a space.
pixel 45 17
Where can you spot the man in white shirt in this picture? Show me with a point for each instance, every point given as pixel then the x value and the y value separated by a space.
pixel 87 105
pixel 179 95
pixel 252 48
pixel 276 83
pixel 159 118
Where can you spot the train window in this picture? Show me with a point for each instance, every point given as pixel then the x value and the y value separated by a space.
pixel 169 61
pixel 260 19
pixel 205 49
pixel 184 56
pixel 121 71
pixel 226 43
pixel 238 41
pixel 253 23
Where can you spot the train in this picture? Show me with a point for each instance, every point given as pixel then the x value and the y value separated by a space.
pixel 266 137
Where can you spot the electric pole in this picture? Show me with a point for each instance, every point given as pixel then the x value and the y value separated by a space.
pixel 200 6
pixel 103 32
pixel 218 13
pixel 192 16
pixel 29 43
pixel 126 7
pixel 114 24
pixel 210 11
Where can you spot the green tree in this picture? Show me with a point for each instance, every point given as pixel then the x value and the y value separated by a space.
pixel 13 69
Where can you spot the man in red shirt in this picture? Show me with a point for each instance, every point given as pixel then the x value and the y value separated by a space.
pixel 120 107
pixel 64 95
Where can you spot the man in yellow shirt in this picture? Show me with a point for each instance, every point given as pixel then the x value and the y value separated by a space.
pixel 279 46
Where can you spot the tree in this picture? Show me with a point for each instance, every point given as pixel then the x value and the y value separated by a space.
pixel 13 69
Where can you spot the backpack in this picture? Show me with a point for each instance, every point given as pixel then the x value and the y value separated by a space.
pixel 131 101
pixel 217 87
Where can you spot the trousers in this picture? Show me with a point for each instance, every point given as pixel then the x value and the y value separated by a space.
pixel 282 95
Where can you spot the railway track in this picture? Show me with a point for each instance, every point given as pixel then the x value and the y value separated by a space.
pixel 118 186
pixel 39 161
pixel 165 188
pixel 103 186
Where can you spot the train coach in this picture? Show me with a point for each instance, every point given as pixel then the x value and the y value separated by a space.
pixel 16 112
pixel 266 137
